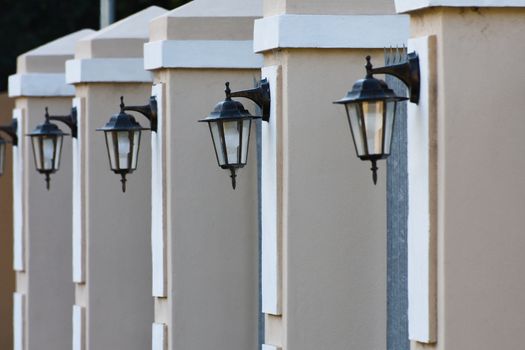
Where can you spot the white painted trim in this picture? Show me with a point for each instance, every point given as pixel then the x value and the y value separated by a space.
pixel 39 84
pixel 411 5
pixel 421 246
pixel 201 54
pixel 270 347
pixel 159 337
pixel 158 199
pixel 323 31
pixel 79 254
pixel 107 70
pixel 271 231
pixel 79 326
pixel 18 195
pixel 19 321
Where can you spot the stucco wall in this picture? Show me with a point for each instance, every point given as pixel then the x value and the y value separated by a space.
pixel 334 218
pixel 212 230
pixel 480 130
pixel 47 277
pixel 117 293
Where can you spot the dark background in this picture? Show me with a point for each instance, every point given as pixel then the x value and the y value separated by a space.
pixel 27 24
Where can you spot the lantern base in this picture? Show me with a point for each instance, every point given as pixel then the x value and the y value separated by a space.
pixel 233 175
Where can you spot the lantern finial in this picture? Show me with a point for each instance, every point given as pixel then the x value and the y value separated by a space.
pixel 123 180
pixel 228 91
pixel 368 67
pixel 234 177
pixel 374 171
pixel 122 103
pixel 48 180
pixel 47 115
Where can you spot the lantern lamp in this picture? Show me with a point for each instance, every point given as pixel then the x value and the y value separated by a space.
pixel 11 131
pixel 47 140
pixel 122 134
pixel 371 109
pixel 230 125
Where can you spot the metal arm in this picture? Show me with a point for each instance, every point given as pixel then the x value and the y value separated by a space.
pixel 260 95
pixel 11 130
pixel 407 72
pixel 70 120
pixel 149 110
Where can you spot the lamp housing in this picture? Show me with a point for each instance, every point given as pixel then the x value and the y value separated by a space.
pixel 47 139
pixel 122 134
pixel 371 110
pixel 230 125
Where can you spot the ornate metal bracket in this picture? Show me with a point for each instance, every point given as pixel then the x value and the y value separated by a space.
pixel 70 120
pixel 407 72
pixel 11 130
pixel 260 95
pixel 149 110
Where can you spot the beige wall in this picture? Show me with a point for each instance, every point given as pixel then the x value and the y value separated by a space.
pixel 480 165
pixel 46 280
pixel 7 275
pixel 328 7
pixel 212 230
pixel 117 292
pixel 334 234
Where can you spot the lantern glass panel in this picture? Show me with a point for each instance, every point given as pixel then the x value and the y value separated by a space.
pixel 389 124
pixel 47 150
pixel 232 140
pixel 111 149
pixel 135 144
pixel 246 127
pixel 217 143
pixel 123 149
pixel 355 119
pixel 2 157
pixel 374 124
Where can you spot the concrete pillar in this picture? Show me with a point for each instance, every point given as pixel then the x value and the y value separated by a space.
pixel 204 234
pixel 324 222
pixel 111 243
pixel 465 161
pixel 7 279
pixel 42 219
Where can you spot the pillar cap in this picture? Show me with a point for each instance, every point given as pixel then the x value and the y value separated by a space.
pixel 403 6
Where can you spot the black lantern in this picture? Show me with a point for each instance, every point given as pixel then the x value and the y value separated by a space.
pixel 10 130
pixel 123 133
pixel 47 140
pixel 230 125
pixel 371 109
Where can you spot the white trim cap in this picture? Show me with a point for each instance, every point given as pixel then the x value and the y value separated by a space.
pixel 325 31
pixel 107 70
pixel 39 84
pixel 411 5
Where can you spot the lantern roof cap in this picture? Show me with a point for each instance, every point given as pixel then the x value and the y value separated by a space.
pixel 370 89
pixel 228 110
pixel 47 129
pixel 122 122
